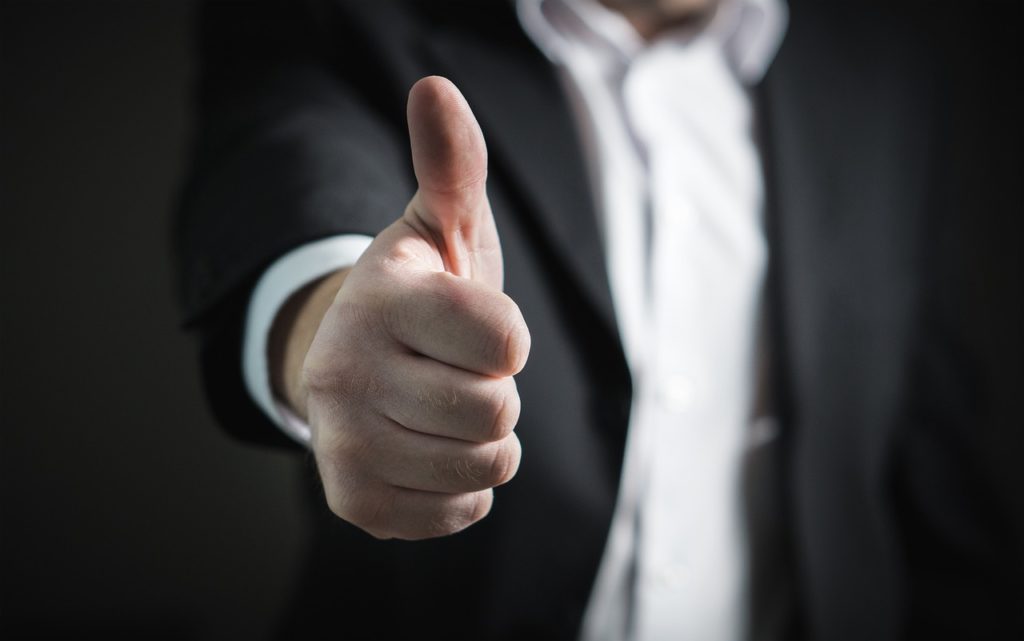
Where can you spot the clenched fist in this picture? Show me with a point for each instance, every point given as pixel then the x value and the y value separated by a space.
pixel 407 384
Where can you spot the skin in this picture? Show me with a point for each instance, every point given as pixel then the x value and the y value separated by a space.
pixel 652 17
pixel 403 364
pixel 406 378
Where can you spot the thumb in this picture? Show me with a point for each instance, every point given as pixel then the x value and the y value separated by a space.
pixel 450 160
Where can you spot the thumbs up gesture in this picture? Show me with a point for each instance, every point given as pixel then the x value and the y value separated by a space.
pixel 407 384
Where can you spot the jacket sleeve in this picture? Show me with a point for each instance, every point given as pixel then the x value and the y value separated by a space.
pixel 296 139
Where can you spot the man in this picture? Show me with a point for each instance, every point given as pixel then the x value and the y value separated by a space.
pixel 877 502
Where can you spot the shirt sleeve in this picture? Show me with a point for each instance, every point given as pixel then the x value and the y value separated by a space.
pixel 287 275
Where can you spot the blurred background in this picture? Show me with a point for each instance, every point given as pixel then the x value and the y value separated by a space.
pixel 124 511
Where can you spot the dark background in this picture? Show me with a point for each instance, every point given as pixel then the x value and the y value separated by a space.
pixel 124 511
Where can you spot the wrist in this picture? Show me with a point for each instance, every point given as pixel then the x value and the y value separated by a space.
pixel 291 335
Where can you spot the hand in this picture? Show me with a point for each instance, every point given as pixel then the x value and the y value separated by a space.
pixel 407 384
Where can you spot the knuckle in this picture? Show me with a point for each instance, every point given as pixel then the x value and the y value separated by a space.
pixel 458 514
pixel 445 522
pixel 504 462
pixel 456 472
pixel 481 505
pixel 517 346
pixel 439 473
pixel 327 376
pixel 502 410
pixel 347 448
pixel 341 491
pixel 380 535
pixel 336 502
pixel 512 338
pixel 405 249
pixel 373 511
pixel 482 467
pixel 350 484
pixel 317 376
pixel 445 399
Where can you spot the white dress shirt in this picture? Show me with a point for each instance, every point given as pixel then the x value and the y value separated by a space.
pixel 667 131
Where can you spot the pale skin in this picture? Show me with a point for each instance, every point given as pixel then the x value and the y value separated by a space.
pixel 403 364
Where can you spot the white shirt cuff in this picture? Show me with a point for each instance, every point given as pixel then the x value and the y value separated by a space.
pixel 287 275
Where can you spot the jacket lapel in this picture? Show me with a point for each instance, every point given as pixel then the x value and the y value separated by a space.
pixel 845 154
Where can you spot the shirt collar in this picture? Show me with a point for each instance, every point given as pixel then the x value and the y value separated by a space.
pixel 749 32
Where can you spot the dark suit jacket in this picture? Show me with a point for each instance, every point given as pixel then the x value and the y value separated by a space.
pixel 890 504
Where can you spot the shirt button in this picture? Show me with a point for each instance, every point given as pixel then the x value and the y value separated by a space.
pixel 677 393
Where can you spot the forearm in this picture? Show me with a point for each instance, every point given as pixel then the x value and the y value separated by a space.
pixel 292 333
